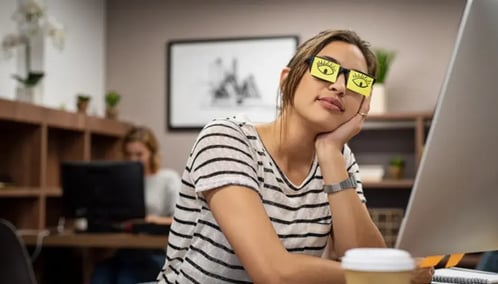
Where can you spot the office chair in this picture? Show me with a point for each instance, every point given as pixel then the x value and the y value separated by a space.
pixel 15 265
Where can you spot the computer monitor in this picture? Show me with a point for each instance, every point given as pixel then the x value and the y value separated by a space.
pixel 105 193
pixel 453 206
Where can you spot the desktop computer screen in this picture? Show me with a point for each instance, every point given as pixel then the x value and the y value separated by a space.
pixel 104 193
pixel 452 207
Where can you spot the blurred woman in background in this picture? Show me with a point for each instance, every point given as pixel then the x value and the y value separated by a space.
pixel 129 266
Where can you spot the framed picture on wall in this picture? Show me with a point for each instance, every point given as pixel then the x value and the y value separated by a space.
pixel 217 78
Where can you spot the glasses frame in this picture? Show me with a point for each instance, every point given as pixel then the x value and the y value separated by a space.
pixel 342 70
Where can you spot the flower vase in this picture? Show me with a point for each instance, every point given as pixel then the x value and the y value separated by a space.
pixel 378 101
pixel 111 112
pixel 29 94
pixel 82 106
pixel 396 172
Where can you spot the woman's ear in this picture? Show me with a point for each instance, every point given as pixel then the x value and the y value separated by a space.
pixel 283 74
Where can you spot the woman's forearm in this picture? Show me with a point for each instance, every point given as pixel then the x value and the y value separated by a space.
pixel 301 268
pixel 352 225
pixel 159 219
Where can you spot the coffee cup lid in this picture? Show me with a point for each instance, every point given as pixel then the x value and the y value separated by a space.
pixel 377 259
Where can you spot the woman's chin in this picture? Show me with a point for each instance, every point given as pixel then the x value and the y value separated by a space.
pixel 331 126
pixel 328 128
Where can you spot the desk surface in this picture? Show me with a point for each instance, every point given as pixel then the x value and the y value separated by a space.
pixel 98 240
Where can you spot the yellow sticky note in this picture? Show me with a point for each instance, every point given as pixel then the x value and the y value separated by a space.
pixel 360 83
pixel 430 261
pixel 325 69
pixel 454 259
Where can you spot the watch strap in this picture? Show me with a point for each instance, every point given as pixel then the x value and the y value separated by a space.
pixel 348 183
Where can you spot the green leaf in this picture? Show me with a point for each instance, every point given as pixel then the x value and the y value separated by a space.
pixel 112 98
pixel 397 161
pixel 31 80
pixel 384 61
pixel 83 98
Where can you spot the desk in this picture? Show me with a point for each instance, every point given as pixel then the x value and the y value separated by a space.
pixel 98 240
pixel 90 242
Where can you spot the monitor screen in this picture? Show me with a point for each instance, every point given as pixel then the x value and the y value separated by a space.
pixel 453 203
pixel 105 193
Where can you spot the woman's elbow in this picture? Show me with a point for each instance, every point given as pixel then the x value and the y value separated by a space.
pixel 278 273
pixel 275 278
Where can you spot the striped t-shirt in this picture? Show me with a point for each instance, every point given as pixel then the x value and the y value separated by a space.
pixel 230 152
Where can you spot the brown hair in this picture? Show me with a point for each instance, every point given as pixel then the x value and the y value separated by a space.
pixel 146 136
pixel 311 47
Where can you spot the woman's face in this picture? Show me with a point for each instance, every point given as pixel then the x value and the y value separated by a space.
pixel 137 151
pixel 328 105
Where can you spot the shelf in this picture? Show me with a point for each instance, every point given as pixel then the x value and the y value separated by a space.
pixel 396 120
pixel 106 127
pixel 400 116
pixel 390 183
pixel 33 114
pixel 20 192
pixel 52 192
pixel 65 120
pixel 37 139
pixel 20 112
pixel 96 240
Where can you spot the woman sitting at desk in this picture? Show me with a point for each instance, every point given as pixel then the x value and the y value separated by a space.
pixel 161 190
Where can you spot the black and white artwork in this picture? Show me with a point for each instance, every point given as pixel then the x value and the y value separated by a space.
pixel 211 79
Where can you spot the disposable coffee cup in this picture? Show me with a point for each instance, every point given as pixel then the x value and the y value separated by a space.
pixel 377 266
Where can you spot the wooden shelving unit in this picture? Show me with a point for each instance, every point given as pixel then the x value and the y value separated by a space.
pixel 383 137
pixel 34 141
pixel 388 135
pixel 390 183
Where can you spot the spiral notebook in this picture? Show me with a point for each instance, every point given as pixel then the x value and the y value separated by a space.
pixel 464 276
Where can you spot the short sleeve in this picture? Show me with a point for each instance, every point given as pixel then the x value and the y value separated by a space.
pixel 173 184
pixel 221 156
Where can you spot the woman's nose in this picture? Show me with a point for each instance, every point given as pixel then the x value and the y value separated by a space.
pixel 339 85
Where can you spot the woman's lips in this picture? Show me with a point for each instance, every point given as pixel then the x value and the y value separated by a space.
pixel 331 103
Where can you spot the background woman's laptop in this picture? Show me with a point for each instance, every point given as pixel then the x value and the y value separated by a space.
pixel 453 206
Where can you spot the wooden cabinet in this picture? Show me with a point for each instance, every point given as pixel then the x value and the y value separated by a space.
pixel 384 137
pixel 34 141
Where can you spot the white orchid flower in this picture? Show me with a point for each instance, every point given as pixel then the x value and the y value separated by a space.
pixel 55 31
pixel 32 19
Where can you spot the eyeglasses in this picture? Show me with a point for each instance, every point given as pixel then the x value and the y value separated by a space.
pixel 328 70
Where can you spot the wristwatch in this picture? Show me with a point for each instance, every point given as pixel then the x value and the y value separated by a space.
pixel 348 183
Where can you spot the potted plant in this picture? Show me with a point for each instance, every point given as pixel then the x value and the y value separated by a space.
pixel 396 167
pixel 112 99
pixel 82 102
pixel 33 23
pixel 384 60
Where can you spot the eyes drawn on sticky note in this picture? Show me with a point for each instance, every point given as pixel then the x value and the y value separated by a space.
pixel 360 83
pixel 325 69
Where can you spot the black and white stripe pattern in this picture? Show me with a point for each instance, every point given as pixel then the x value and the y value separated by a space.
pixel 229 152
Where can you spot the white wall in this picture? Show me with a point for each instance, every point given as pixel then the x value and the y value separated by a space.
pixel 132 56
pixel 421 31
pixel 79 67
pixel 7 66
